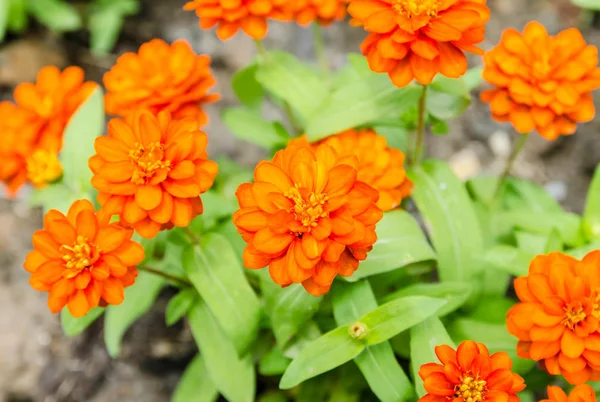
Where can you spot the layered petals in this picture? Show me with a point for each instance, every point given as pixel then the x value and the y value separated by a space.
pixel 581 393
pixel 323 12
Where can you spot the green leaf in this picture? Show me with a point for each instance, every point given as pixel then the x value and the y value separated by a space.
pixel 233 376
pixel 565 223
pixel 179 305
pixel 293 82
pixel 424 337
pixel 554 243
pixel 17 15
pixel 105 27
pixel 400 242
pixel 358 103
pixel 247 88
pixel 509 259
pixel 492 309
pixel 531 196
pixel 494 336
pixel 580 252
pixel 399 315
pixel 55 196
pixel 74 326
pixel 589 4
pixel 56 15
pixel 473 78
pixel 250 126
pixel 377 363
pixel 451 86
pixel 455 293
pixel 326 353
pixel 273 363
pixel 443 105
pixel 195 384
pixel 215 271
pixel 449 214
pixel 138 300
pixel 4 12
pixel 591 215
pixel 396 136
pixel 86 124
pixel 530 243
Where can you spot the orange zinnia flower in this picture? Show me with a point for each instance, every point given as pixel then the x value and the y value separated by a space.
pixel 82 260
pixel 379 166
pixel 232 15
pixel 161 77
pixel 307 217
pixel 322 11
pixel 557 319
pixel 581 393
pixel 151 170
pixel 543 82
pixel 470 374
pixel 420 38
pixel 43 167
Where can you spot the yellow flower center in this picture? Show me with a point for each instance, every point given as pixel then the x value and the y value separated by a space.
pixel 574 314
pixel 470 389
pixel 81 255
pixel 308 206
pixel 415 8
pixel 147 161
pixel 43 167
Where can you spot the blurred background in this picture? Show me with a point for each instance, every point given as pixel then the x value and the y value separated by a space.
pixel 37 362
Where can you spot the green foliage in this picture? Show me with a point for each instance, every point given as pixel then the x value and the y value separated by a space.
pixel 249 125
pixel 180 304
pixel 248 90
pixel 195 384
pixel 74 326
pixel 58 15
pixel 105 20
pixel 589 4
pixel 591 216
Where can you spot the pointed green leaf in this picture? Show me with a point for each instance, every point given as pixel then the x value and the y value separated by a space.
pixel 215 271
pixel 195 384
pixel 591 215
pixel 273 363
pixel 455 293
pixel 247 88
pixel 17 16
pixel 249 126
pixel 580 252
pixel 400 242
pixel 4 10
pixel 531 196
pixel 74 326
pixel 58 15
pixel 179 305
pixel 234 377
pixel 566 223
pixel 509 259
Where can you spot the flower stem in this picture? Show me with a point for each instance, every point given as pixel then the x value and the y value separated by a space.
pixel 509 164
pixel 419 142
pixel 193 237
pixel 260 47
pixel 169 277
pixel 320 48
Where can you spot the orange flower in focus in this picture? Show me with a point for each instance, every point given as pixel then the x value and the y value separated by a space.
pixel 543 83
pixel 232 15
pixel 151 170
pixel 161 77
pixel 470 374
pixel 417 39
pixel 581 393
pixel 307 217
pixel 322 11
pixel 82 260
pixel 379 166
pixel 557 319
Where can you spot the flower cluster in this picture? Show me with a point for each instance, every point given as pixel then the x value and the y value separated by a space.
pixel 581 393
pixel 543 83
pixel 324 12
pixel 557 321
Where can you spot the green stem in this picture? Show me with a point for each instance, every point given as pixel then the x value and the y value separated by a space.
pixel 509 164
pixel 193 237
pixel 320 48
pixel 260 47
pixel 419 142
pixel 173 278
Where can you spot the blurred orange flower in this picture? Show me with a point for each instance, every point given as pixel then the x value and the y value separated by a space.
pixel 232 15
pixel 43 167
pixel 322 11
pixel 557 319
pixel 543 83
pixel 581 393
pixel 379 166
pixel 417 39
pixel 82 260
pixel 307 217
pixel 470 374
pixel 161 77
pixel 150 170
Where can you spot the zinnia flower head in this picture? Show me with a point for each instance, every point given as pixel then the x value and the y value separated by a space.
pixel 470 374
pixel 543 83
pixel 557 320
pixel 322 11
pixel 43 167
pixel 161 77
pixel 82 260
pixel 232 15
pixel 581 393
pixel 307 217
pixel 150 170
pixel 417 39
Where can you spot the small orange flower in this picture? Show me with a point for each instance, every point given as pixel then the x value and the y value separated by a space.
pixel 581 393
pixel 420 38
pixel 43 167
pixel 322 11
pixel 543 83
pixel 307 217
pixel 151 170
pixel 161 77
pixel 232 15
pixel 82 260
pixel 379 166
pixel 470 374
pixel 557 321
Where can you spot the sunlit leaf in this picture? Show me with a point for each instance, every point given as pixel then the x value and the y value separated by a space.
pixel 74 326
pixel 195 384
